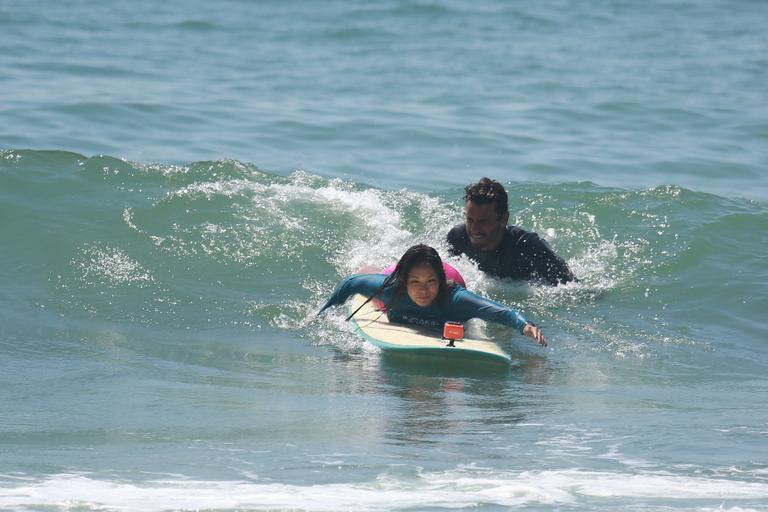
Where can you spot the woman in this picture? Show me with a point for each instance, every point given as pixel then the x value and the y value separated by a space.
pixel 417 292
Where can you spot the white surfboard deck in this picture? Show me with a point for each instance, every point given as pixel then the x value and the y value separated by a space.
pixel 373 325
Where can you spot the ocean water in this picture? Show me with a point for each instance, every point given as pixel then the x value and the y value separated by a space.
pixel 182 184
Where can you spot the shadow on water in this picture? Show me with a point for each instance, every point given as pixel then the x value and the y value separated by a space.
pixel 437 366
pixel 528 368
pixel 439 397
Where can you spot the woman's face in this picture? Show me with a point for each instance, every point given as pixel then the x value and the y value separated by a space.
pixel 422 285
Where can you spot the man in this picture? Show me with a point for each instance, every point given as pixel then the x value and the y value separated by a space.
pixel 501 250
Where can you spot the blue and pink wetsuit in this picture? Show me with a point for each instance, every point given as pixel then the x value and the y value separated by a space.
pixel 460 305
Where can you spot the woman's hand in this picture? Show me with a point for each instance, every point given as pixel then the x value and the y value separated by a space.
pixel 535 333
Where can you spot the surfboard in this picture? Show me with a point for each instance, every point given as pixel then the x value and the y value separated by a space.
pixel 374 326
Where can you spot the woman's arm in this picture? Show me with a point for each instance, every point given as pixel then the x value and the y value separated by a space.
pixel 475 306
pixel 533 332
pixel 365 284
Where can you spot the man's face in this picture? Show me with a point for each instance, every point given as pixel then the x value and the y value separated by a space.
pixel 484 226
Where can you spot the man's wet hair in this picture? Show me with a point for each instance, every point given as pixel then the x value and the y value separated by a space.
pixel 488 191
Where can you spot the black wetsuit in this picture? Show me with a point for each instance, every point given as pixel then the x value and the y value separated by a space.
pixel 520 255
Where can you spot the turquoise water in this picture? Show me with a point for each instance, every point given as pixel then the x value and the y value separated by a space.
pixel 182 185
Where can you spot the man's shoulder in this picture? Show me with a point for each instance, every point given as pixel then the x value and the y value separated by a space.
pixel 458 231
pixel 458 239
pixel 517 237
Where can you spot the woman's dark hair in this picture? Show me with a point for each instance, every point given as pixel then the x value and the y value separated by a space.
pixel 488 191
pixel 415 256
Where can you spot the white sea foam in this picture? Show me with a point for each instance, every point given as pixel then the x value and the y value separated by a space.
pixel 366 227
pixel 111 266
pixel 452 489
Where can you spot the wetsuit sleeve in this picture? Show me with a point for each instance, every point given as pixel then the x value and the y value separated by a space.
pixel 456 240
pixel 546 264
pixel 474 306
pixel 366 284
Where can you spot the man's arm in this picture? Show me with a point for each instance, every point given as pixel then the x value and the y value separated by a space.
pixel 546 264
